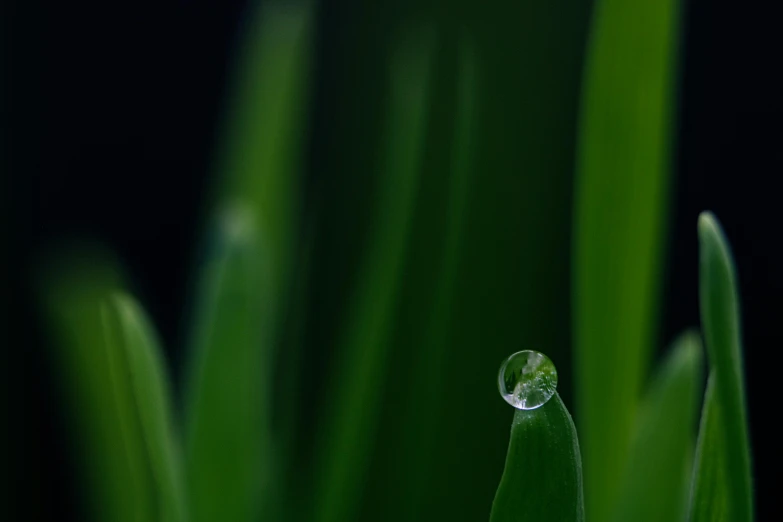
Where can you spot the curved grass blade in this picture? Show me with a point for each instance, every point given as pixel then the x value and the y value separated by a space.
pixel 117 391
pixel 227 410
pixel 655 487
pixel 542 480
pixel 351 415
pixel 721 324
pixel 140 357
pixel 710 488
pixel 620 202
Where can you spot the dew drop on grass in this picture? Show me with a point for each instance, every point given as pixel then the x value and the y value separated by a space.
pixel 527 380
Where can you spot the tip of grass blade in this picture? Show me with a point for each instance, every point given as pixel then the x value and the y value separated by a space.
pixel 720 317
pixel 542 480
pixel 688 349
pixel 711 231
pixel 706 219
pixel 708 227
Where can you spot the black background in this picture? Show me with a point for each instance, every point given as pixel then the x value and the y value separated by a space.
pixel 94 96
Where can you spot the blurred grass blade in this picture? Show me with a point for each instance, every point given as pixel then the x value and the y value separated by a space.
pixel 244 284
pixel 721 324
pixel 655 488
pixel 351 414
pixel 710 488
pixel 227 431
pixel 621 186
pixel 140 358
pixel 263 142
pixel 117 394
pixel 542 480
pixel 423 383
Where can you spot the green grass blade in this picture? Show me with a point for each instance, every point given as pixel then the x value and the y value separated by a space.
pixel 227 410
pixel 244 286
pixel 620 203
pixel 721 324
pixel 710 487
pixel 655 488
pixel 262 145
pixel 117 395
pixel 351 415
pixel 542 480
pixel 140 358
pixel 421 384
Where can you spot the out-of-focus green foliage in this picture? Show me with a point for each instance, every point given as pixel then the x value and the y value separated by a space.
pixel 232 457
pixel 126 325
pixel 710 490
pixel 425 380
pixel 620 201
pixel 227 424
pixel 723 453
pixel 351 417
pixel 114 376
pixel 656 479
pixel 262 146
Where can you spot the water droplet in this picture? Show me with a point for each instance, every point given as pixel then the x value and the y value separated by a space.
pixel 527 380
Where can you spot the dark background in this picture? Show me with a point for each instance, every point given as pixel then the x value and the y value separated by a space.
pixel 124 99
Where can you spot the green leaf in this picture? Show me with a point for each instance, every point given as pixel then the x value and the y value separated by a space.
pixel 139 356
pixel 227 410
pixel 117 394
pixel 620 206
pixel 245 286
pixel 710 488
pixel 351 415
pixel 260 158
pixel 656 483
pixel 542 480
pixel 721 324
pixel 424 379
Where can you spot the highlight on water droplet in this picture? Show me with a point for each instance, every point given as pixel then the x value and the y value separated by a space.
pixel 527 380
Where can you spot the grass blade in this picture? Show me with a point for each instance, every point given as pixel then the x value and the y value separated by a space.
pixel 351 416
pixel 117 392
pixel 227 408
pixel 140 357
pixel 419 363
pixel 655 488
pixel 710 488
pixel 621 185
pixel 542 480
pixel 263 142
pixel 244 286
pixel 721 324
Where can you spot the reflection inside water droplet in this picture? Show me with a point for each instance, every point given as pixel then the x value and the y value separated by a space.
pixel 527 380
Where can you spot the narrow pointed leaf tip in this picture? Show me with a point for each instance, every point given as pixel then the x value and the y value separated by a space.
pixel 720 319
pixel 542 480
